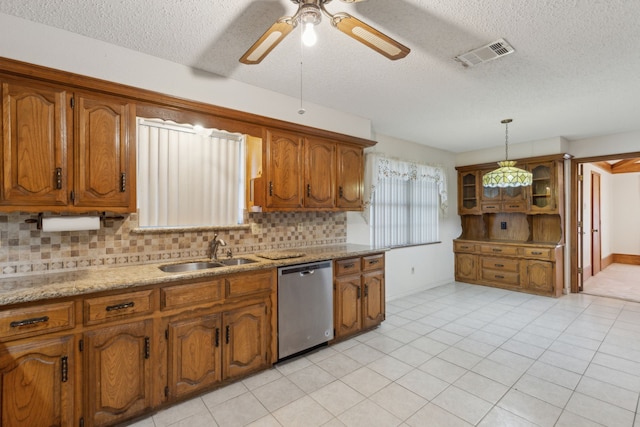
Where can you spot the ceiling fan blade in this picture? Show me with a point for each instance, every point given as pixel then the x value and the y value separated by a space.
pixel 369 36
pixel 268 41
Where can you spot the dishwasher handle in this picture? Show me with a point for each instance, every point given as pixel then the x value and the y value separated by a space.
pixel 307 273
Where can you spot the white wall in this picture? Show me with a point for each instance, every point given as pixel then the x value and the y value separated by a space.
pixel 51 47
pixel 625 214
pixel 417 267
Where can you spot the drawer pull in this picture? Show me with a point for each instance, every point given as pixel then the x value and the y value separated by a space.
pixel 120 306
pixel 536 253
pixel 464 247
pixel 490 207
pixel 499 265
pixel 29 322
pixel 64 369
pixel 498 276
pixel 374 261
pixel 351 265
pixel 496 250
pixel 514 206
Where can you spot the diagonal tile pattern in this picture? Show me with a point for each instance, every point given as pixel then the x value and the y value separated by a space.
pixel 455 355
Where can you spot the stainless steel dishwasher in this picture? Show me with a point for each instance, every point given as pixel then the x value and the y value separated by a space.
pixel 305 307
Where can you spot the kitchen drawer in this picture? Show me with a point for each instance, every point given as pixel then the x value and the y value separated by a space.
pixel 501 264
pixel 31 321
pixel 344 267
pixel 248 283
pixel 464 247
pixel 491 207
pixel 191 293
pixel 373 262
pixel 115 307
pixel 541 253
pixel 501 277
pixel 515 206
pixel 499 250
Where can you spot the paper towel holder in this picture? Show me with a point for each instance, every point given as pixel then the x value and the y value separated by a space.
pixel 103 218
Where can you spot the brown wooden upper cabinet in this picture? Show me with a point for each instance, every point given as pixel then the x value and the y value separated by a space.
pixel 303 172
pixel 65 151
pixel 469 187
pixel 544 188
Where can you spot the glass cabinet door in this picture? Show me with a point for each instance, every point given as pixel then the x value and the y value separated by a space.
pixel 469 189
pixel 543 187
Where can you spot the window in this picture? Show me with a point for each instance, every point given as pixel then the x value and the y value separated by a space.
pixel 404 203
pixel 188 176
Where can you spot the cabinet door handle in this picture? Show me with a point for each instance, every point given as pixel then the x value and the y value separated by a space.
pixel 58 178
pixel 123 182
pixel 366 290
pixel 120 306
pixel 358 295
pixel 271 188
pixel 147 347
pixel 64 369
pixel 217 337
pixel 29 322
pixel 227 334
pixel 340 192
pixel 308 190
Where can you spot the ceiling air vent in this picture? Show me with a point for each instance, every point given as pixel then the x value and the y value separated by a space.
pixel 486 53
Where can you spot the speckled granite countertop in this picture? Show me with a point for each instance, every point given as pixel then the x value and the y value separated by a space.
pixel 55 285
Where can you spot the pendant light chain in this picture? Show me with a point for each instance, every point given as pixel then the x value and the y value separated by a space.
pixel 506 141
pixel 301 110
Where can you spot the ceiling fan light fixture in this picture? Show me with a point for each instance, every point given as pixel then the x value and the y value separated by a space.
pixel 507 175
pixel 309 16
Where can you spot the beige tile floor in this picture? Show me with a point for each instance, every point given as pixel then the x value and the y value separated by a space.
pixel 455 355
pixel 616 281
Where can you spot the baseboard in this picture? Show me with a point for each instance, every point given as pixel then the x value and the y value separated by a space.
pixel 418 289
pixel 586 272
pixel 606 262
pixel 626 259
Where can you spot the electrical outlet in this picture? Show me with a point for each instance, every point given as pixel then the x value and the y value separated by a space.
pixel 256 228
pixel 503 225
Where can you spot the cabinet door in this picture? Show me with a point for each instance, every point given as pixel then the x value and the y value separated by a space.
pixel 36 384
pixel 320 173
pixel 36 131
pixel 194 354
pixel 543 188
pixel 118 372
pixel 539 276
pixel 245 340
pixel 466 267
pixel 373 301
pixel 469 184
pixel 284 169
pixel 350 177
pixel 105 154
pixel 348 305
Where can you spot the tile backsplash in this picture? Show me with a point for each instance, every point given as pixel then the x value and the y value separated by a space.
pixel 26 250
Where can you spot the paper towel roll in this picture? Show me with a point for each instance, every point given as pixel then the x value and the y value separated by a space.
pixel 70 223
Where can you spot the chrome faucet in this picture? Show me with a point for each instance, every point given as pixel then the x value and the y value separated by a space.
pixel 215 243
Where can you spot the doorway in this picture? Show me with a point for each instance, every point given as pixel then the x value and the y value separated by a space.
pixel 604 256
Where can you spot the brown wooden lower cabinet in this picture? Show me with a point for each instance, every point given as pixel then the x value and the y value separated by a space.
pixel 359 294
pixel 37 383
pixel 517 266
pixel 194 354
pixel 118 372
pixel 246 340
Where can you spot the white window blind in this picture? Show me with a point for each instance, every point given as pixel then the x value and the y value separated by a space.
pixel 404 201
pixel 188 177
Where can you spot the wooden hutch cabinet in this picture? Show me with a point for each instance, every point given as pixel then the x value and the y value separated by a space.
pixel 512 237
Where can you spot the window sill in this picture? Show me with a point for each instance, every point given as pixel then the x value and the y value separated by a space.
pixel 414 244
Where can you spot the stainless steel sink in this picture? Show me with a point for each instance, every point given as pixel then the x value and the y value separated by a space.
pixel 236 261
pixel 190 266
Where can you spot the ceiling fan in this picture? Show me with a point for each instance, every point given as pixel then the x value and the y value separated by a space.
pixel 309 14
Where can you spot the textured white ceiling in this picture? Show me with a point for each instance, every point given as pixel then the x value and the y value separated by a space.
pixel 575 72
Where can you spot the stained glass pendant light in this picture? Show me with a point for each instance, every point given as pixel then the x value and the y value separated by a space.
pixel 507 175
